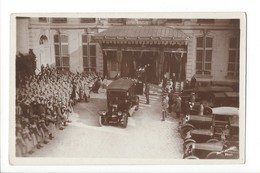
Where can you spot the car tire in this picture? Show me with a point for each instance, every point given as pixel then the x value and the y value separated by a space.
pixel 102 121
pixel 125 120
pixel 187 143
pixel 207 111
pixel 184 130
pixel 191 157
pixel 215 155
pixel 212 141
pixel 137 103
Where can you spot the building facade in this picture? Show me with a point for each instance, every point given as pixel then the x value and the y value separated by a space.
pixel 206 48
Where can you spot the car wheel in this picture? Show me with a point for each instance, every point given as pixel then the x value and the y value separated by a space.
pixel 213 141
pixel 207 111
pixel 137 103
pixel 184 131
pixel 102 121
pixel 215 155
pixel 125 120
pixel 191 157
pixel 187 143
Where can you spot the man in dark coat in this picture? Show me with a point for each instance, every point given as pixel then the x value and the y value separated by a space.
pixel 146 92
pixel 164 81
pixel 193 82
pixel 171 100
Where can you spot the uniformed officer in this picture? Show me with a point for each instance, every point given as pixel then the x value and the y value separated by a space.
pixel 147 92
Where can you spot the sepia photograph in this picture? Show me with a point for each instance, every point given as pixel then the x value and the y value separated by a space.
pixel 131 89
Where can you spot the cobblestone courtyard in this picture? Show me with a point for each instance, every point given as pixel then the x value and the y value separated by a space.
pixel 146 136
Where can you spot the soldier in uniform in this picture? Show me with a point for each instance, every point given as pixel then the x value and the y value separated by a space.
pixel 20 143
pixel 34 132
pixel 26 136
pixel 177 107
pixel 147 92
pixel 43 128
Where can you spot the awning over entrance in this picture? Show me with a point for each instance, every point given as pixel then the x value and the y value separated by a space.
pixel 156 35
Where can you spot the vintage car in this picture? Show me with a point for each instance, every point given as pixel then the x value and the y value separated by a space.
pixel 208 126
pixel 122 101
pixel 204 93
pixel 195 121
pixel 216 150
pixel 225 125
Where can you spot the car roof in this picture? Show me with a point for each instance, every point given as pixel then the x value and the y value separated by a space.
pixel 214 89
pixel 209 146
pixel 225 110
pixel 120 84
pixel 232 94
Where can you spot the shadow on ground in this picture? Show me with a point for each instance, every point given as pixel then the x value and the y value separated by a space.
pixel 88 112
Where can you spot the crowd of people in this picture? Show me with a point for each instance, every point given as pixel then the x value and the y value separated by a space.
pixel 44 104
pixel 171 100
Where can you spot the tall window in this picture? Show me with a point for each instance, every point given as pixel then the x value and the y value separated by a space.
pixel 204 55
pixel 88 20
pixel 89 53
pixel 174 20
pixel 61 52
pixel 116 20
pixel 233 60
pixel 42 19
pixel 59 20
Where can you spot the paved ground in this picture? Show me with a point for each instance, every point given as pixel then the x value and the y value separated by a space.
pixel 146 136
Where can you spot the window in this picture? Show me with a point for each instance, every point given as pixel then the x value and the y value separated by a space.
pixel 59 20
pixel 61 47
pixel 89 53
pixel 116 20
pixel 205 21
pixel 42 19
pixel 174 20
pixel 233 59
pixel 88 20
pixel 204 55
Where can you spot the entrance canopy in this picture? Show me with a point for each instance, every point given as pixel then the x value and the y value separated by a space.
pixel 156 35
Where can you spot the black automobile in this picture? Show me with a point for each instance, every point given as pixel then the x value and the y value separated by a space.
pixel 195 121
pixel 225 124
pixel 225 99
pixel 204 93
pixel 122 101
pixel 211 151
pixel 220 117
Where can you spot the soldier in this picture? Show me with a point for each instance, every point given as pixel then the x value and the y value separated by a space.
pixel 26 136
pixel 34 132
pixel 57 109
pixel 43 128
pixel 173 81
pixel 20 143
pixel 164 106
pixel 193 82
pixel 177 107
pixel 164 81
pixel 171 100
pixel 147 92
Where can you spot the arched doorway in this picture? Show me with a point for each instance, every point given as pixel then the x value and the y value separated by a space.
pixel 44 49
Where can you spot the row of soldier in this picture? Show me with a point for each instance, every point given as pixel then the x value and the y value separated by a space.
pixel 44 104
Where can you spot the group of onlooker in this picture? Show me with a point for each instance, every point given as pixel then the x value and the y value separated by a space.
pixel 44 104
